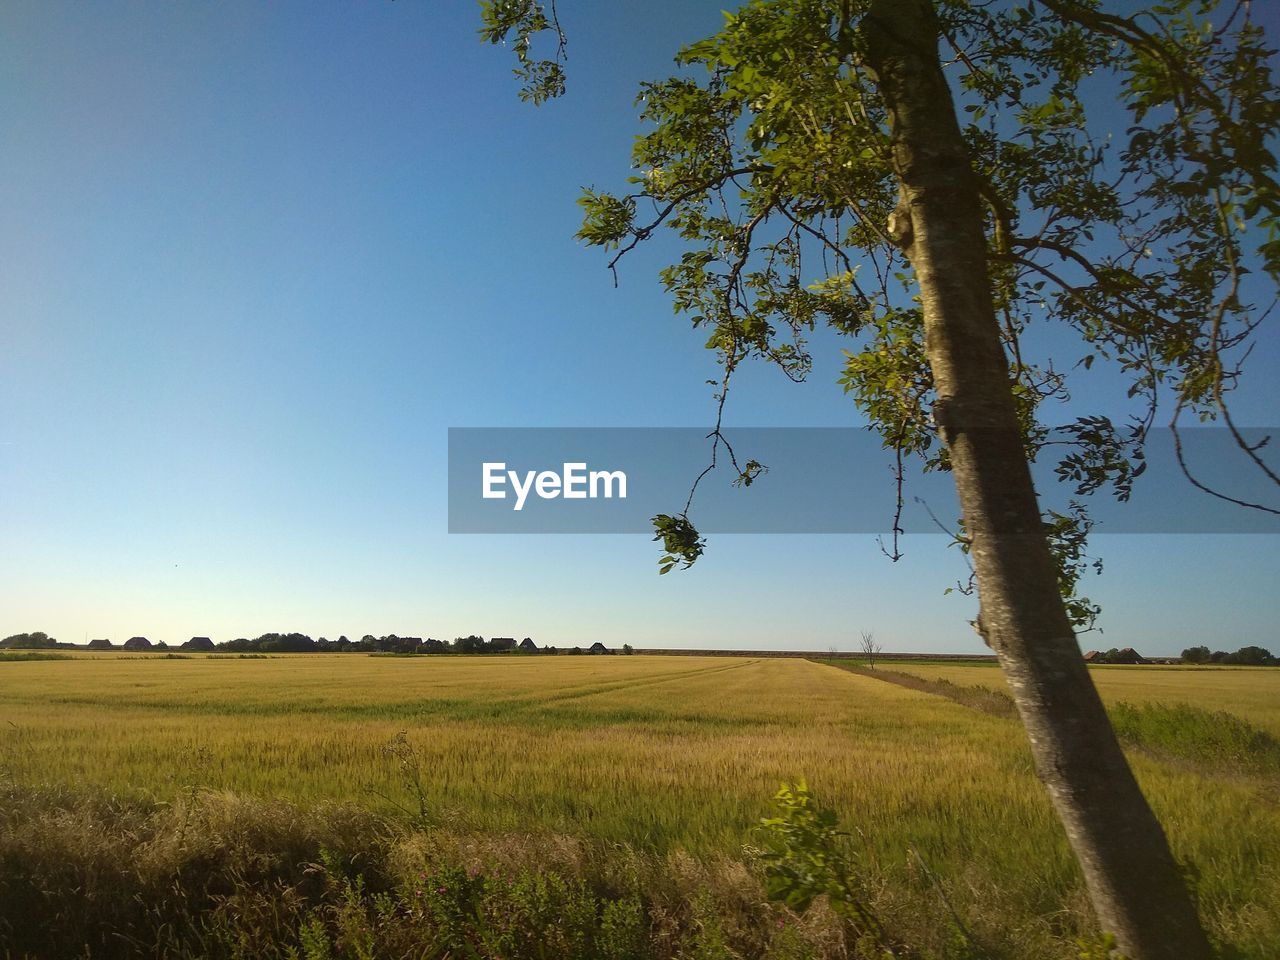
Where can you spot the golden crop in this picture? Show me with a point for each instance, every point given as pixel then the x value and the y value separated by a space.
pixel 661 753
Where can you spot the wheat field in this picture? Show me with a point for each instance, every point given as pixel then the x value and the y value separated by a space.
pixel 658 753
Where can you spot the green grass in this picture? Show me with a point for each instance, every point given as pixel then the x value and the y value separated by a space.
pixel 661 759
pixel 1214 739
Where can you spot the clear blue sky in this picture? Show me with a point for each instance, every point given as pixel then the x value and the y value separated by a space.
pixel 255 259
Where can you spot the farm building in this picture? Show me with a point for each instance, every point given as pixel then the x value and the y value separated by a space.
pixel 500 644
pixel 101 645
pixel 137 643
pixel 528 646
pixel 598 647
pixel 1127 655
pixel 202 644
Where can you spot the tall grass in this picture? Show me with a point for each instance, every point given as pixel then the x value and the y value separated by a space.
pixel 218 876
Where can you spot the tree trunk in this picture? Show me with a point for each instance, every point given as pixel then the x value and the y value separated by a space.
pixel 1133 880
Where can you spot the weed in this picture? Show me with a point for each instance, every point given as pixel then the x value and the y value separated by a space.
pixel 806 855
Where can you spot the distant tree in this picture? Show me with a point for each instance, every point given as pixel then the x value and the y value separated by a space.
pixel 627 649
pixel 1251 657
pixel 469 644
pixel 870 648
pixel 272 643
pixel 390 644
pixel 406 645
pixel 29 641
pixel 1196 655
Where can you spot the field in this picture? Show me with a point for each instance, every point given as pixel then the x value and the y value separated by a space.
pixel 665 757
pixel 1250 692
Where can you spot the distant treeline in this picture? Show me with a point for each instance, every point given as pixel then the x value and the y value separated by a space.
pixel 1250 656
pixel 1245 657
pixel 301 643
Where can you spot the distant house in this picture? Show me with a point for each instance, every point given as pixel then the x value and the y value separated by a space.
pixel 101 645
pixel 528 646
pixel 1127 655
pixel 502 644
pixel 137 643
pixel 201 644
pixel 598 647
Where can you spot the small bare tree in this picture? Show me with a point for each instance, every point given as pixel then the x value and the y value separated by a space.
pixel 870 648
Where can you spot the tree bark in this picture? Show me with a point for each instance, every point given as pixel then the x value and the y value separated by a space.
pixel 1132 877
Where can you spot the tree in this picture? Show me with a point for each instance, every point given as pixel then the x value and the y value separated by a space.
pixel 469 644
pixel 824 169
pixel 870 648
pixel 282 643
pixel 1252 656
pixel 29 641
pixel 1196 655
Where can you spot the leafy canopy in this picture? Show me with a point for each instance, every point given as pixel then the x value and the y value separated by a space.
pixel 1130 184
